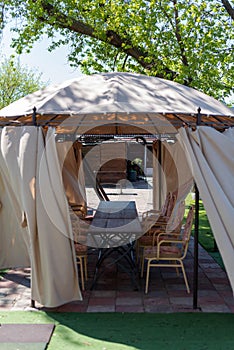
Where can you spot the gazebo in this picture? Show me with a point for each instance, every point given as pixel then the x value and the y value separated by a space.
pixel 103 105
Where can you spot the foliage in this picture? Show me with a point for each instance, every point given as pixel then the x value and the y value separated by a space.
pixel 137 162
pixel 186 41
pixel 17 81
pixel 1 15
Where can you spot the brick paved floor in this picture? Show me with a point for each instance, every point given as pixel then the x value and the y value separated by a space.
pixel 114 291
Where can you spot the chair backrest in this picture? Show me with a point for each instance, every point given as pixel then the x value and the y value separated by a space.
pixel 150 218
pixel 79 210
pixel 187 229
pixel 79 228
pixel 171 205
pixel 165 205
pixel 75 223
pixel 176 219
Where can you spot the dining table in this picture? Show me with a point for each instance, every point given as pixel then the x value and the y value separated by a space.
pixel 113 231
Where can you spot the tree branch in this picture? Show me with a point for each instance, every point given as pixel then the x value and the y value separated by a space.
pixel 125 60
pixel 109 37
pixel 178 35
pixel 228 8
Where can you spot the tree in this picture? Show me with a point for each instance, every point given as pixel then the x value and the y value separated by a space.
pixel 1 16
pixel 185 41
pixel 17 81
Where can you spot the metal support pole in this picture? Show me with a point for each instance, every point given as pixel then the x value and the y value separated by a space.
pixel 196 235
pixel 34 116
pixel 34 119
pixel 196 240
pixel 145 160
pixel 160 171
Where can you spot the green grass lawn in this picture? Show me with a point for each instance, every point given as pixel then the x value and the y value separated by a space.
pixel 206 238
pixel 129 331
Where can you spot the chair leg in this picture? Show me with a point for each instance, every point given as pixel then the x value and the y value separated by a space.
pixel 81 272
pixel 142 262
pixel 147 277
pixel 137 252
pixel 141 255
pixel 176 267
pixel 185 277
pixel 85 268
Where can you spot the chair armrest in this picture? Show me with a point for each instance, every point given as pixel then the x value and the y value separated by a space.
pixel 156 225
pixel 168 237
pixel 149 224
pixel 156 234
pixel 177 234
pixel 163 219
pixel 167 241
pixel 149 213
pixel 170 241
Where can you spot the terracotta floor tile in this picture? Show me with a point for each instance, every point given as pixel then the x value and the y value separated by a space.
pixel 214 308
pixel 101 308
pixel 181 301
pixel 158 308
pixel 103 294
pixel 156 301
pixel 209 299
pixel 101 301
pixel 72 308
pixel 129 308
pixel 128 294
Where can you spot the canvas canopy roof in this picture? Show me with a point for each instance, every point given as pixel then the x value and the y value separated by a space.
pixel 117 103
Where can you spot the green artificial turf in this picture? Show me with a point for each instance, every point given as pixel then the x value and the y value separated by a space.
pixel 128 331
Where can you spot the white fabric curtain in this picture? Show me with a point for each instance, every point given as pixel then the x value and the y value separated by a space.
pixel 17 213
pixel 176 176
pixel 211 158
pixel 40 234
pixel 56 272
pixel 72 173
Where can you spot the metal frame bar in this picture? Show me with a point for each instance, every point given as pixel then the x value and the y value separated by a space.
pixel 160 171
pixel 196 235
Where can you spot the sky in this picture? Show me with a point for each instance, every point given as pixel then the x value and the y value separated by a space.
pixel 53 65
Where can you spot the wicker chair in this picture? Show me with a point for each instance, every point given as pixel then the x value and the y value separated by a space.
pixel 154 224
pixel 81 259
pixel 172 227
pixel 80 247
pixel 155 214
pixel 170 250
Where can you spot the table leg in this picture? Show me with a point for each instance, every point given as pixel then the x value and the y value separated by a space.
pixel 125 260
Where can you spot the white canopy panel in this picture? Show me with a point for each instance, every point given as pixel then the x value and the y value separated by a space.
pixel 116 93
